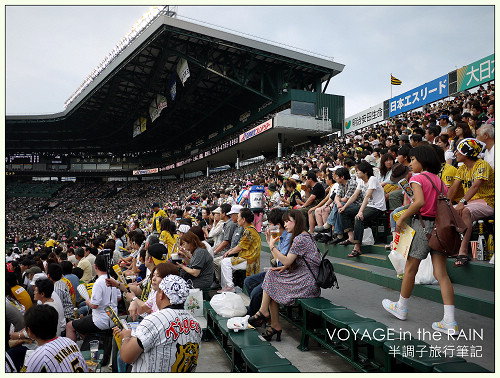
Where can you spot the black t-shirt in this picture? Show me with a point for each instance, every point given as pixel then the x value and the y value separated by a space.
pixel 318 191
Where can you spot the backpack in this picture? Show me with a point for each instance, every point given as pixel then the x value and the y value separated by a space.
pixel 326 278
pixel 449 227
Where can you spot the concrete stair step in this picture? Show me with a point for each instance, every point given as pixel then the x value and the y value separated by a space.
pixel 474 300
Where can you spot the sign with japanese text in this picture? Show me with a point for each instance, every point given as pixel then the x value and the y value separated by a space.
pixel 365 118
pixel 476 73
pixel 183 70
pixel 425 94
pixel 157 105
pixel 256 130
pixel 143 124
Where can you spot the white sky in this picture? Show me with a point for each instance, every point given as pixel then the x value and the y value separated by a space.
pixel 51 49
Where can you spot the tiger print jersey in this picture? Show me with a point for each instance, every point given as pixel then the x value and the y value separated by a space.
pixel 171 342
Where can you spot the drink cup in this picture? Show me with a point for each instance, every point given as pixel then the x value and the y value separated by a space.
pixel 473 245
pixel 275 231
pixel 94 347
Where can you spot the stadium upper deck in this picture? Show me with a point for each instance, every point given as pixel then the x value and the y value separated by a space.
pixel 233 82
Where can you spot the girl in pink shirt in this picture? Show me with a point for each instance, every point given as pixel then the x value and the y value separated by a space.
pixel 424 162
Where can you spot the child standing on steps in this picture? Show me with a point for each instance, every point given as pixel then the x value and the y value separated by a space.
pixel 424 162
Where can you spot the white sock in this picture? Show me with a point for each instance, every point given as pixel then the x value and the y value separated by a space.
pixel 403 303
pixel 449 313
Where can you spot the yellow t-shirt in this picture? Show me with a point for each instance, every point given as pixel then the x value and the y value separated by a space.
pixel 447 175
pixel 168 240
pixel 160 213
pixel 480 171
pixel 19 293
pixel 250 244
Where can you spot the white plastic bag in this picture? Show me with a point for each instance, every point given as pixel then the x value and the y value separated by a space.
pixel 492 261
pixel 398 262
pixel 238 323
pixel 425 275
pixel 368 238
pixel 194 302
pixel 228 305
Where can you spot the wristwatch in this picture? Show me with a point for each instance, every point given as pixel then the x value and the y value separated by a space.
pixel 133 299
pixel 463 201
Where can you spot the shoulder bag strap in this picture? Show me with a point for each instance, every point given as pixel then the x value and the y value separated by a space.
pixel 305 260
pixel 428 235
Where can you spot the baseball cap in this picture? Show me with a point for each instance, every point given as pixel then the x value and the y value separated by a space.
pixel 175 288
pixel 193 191
pixel 295 177
pixel 444 116
pixel 184 228
pixel 218 210
pixel 156 204
pixel 404 137
pixel 235 209
pixel 33 270
pixel 158 252
pixel 470 147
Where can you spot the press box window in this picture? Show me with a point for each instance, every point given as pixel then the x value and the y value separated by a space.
pixel 303 108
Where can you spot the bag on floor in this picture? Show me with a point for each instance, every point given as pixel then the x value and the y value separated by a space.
pixel 228 305
pixel 425 275
pixel 368 238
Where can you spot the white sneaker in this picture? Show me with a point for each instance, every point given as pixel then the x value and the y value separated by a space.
pixel 226 289
pixel 393 308
pixel 450 329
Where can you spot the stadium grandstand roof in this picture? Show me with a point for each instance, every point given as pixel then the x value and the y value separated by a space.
pixel 228 75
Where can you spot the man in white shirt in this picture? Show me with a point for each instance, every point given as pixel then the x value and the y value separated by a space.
pixel 102 296
pixel 486 134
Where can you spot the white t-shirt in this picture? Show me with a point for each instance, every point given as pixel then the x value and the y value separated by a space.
pixel 102 296
pixel 57 304
pixel 489 156
pixel 377 199
pixel 62 321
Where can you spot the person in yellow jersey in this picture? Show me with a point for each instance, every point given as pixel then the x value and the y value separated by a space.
pixel 158 214
pixel 478 182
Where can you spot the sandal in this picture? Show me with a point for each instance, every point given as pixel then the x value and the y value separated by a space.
pixel 258 320
pixel 462 260
pixel 354 253
pixel 268 335
pixel 345 242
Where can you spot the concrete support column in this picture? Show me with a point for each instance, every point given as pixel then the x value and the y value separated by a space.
pixel 238 159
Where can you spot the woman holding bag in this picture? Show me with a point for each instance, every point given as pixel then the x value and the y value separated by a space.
pixel 284 284
pixel 424 162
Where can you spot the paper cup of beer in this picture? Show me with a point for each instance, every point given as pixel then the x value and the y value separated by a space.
pixel 473 245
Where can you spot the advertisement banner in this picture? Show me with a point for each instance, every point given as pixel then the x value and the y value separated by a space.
pixel 145 171
pixel 365 118
pixel 425 94
pixel 136 128
pixel 157 105
pixel 476 73
pixel 172 87
pixel 256 130
pixel 183 70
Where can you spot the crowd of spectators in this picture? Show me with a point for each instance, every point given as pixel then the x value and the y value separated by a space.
pixel 203 230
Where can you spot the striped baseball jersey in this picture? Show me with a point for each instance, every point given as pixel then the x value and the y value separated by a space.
pixel 170 339
pixel 60 355
pixel 480 171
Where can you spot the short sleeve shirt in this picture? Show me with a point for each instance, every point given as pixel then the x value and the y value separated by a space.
pixel 318 191
pixel 201 260
pixel 430 194
pixel 480 171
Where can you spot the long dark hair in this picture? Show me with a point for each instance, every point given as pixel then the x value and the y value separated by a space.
pixel 300 222
pixel 383 159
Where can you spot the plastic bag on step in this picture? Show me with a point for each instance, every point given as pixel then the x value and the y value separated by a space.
pixel 398 262
pixel 238 323
pixel 228 305
pixel 368 238
pixel 425 275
